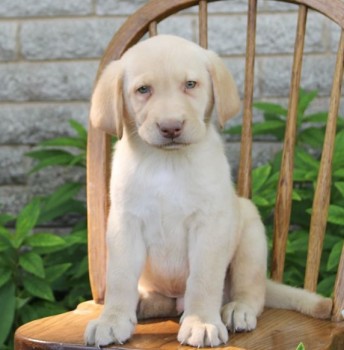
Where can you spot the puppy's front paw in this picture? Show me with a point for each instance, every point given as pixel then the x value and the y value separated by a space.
pixel 107 330
pixel 238 317
pixel 197 333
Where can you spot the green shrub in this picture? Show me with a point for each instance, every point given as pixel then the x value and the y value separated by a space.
pixel 310 137
pixel 43 273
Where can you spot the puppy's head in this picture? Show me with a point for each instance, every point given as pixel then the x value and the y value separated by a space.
pixel 163 89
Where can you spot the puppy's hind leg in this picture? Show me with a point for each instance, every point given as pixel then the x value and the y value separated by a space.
pixel 246 277
pixel 153 304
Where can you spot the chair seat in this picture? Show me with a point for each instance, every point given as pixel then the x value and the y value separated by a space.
pixel 277 329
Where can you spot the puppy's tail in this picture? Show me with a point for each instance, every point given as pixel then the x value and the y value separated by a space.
pixel 285 297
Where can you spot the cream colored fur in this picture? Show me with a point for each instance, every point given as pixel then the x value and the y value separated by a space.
pixel 179 238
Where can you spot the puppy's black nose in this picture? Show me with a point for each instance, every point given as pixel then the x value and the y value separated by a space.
pixel 170 129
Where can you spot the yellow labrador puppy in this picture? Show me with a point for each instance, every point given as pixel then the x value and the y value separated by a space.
pixel 179 238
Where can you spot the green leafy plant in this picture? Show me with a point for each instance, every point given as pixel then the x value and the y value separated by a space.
pixel 41 272
pixel 310 137
pixel 58 151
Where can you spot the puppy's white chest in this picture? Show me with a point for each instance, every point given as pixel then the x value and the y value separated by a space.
pixel 167 264
pixel 165 194
pixel 165 231
pixel 167 207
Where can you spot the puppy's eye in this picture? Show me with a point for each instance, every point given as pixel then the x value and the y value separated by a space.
pixel 145 89
pixel 190 84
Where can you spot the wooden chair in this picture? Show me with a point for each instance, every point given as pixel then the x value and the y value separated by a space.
pixel 277 329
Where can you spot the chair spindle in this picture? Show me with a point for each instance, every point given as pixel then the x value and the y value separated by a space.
pixel 285 183
pixel 98 147
pixel 153 28
pixel 323 187
pixel 244 173
pixel 338 298
pixel 203 23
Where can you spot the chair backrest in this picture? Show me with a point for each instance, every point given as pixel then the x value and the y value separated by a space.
pixel 145 21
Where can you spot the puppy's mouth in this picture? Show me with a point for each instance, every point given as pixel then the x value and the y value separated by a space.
pixel 173 145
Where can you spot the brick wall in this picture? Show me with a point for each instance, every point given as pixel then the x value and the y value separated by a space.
pixel 50 49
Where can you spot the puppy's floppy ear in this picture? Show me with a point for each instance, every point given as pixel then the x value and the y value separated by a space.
pixel 226 95
pixel 107 105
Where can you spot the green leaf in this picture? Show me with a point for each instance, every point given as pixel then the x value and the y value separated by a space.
pixel 43 154
pixel 38 287
pixel 340 187
pixel 46 308
pixel 330 241
pixel 301 347
pixel 233 130
pixel 79 128
pixel 304 160
pixel 8 259
pixel 72 206
pixel 260 175
pixel 271 108
pixel 333 259
pixel 325 286
pixel 33 263
pixel 269 127
pixel 5 242
pixel 320 118
pixel 56 271
pixel 79 160
pixel 62 194
pixel 293 275
pixel 7 310
pixel 21 302
pixel 5 276
pixel 260 201
pixel 298 242
pixel 312 136
pixel 51 157
pixel 26 221
pixel 304 175
pixel 339 173
pixel 338 155
pixel 44 240
pixel 49 250
pixel 305 99
pixel 336 215
pixel 61 202
pixel 296 196
pixel 65 142
pixel 82 268
pixel 28 313
pixel 5 218
pixel 77 237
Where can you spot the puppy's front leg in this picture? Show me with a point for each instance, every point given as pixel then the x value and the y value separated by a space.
pixel 126 257
pixel 210 250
